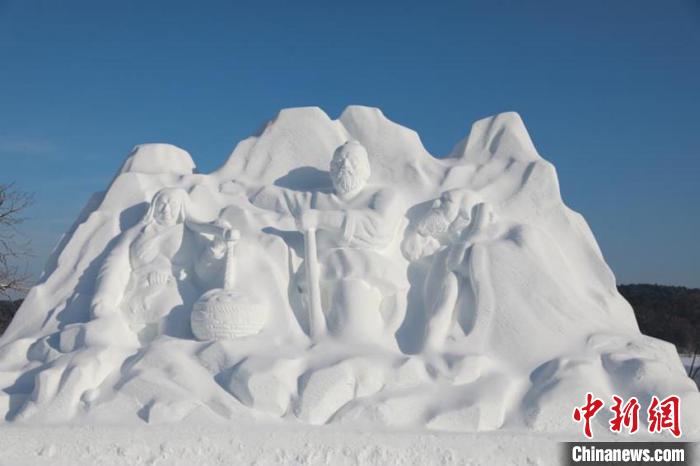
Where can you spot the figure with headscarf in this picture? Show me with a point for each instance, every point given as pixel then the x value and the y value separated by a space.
pixel 144 277
pixel 144 289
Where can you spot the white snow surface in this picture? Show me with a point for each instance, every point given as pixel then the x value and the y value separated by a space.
pixel 508 338
pixel 175 444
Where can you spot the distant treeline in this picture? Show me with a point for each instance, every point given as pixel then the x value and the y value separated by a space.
pixel 7 311
pixel 671 313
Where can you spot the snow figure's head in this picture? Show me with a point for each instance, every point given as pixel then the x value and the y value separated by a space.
pixel 451 212
pixel 168 207
pixel 350 170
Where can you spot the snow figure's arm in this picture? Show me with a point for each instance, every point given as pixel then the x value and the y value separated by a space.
pixel 214 248
pixel 457 253
pixel 281 200
pixel 415 247
pixel 374 226
pixel 113 278
pixel 216 228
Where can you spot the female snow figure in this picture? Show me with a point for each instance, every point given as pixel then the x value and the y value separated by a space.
pixel 141 292
pixel 147 269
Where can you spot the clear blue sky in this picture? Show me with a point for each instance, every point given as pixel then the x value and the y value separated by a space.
pixel 609 90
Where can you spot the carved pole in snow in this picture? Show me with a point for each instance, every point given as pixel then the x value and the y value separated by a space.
pixel 231 237
pixel 317 321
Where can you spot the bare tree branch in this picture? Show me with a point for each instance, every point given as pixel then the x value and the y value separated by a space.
pixel 13 247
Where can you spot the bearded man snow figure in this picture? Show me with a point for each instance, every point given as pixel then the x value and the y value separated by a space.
pixel 363 291
pixel 457 295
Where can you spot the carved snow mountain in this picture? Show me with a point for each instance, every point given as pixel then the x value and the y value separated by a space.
pixel 556 326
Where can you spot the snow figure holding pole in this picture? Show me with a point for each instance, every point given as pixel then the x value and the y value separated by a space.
pixel 361 292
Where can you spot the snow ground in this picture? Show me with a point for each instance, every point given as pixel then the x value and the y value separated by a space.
pixel 182 444
pixel 242 445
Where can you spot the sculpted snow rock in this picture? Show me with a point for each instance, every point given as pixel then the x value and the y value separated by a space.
pixel 158 158
pixel 333 271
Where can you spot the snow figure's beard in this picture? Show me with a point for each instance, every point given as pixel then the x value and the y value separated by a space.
pixel 346 182
pixel 435 223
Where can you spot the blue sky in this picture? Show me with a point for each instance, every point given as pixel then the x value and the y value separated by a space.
pixel 609 90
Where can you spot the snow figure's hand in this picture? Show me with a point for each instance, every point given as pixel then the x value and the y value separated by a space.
pixel 218 248
pixel 460 224
pixel 157 278
pixel 223 224
pixel 307 219
pixel 146 251
pixel 431 245
pixel 416 247
pixel 231 234
pixel 412 247
pixel 227 233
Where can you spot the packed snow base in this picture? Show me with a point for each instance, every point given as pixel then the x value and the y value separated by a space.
pixel 333 271
pixel 186 444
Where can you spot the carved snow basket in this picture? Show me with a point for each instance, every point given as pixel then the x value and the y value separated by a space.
pixel 226 314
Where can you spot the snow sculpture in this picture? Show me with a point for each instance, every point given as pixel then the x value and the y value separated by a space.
pixel 227 313
pixel 370 284
pixel 363 289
